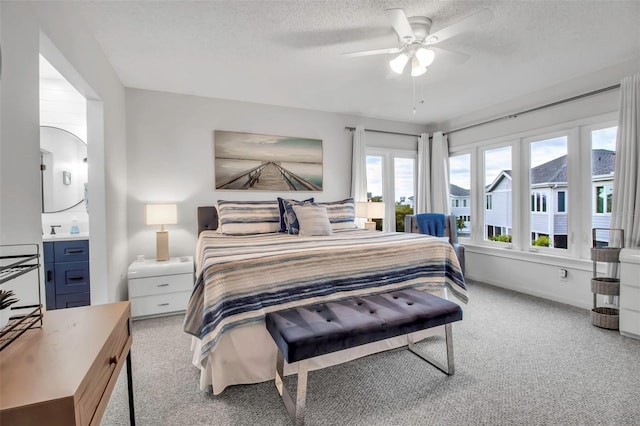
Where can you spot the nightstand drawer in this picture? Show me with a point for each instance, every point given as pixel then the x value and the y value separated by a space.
pixel 159 304
pixel 160 285
pixel 111 358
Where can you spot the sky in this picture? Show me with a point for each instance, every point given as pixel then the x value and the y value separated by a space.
pixel 404 172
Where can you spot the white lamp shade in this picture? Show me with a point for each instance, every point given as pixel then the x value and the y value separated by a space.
pixel 370 210
pixel 161 214
pixel 425 56
pixel 398 63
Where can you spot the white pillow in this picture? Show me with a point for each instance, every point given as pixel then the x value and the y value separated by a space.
pixel 313 220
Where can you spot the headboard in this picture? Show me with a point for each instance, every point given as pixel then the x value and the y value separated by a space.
pixel 207 219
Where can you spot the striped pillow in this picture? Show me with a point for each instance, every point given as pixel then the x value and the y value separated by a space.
pixel 313 220
pixel 248 217
pixel 341 214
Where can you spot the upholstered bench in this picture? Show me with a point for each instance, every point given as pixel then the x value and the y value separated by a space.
pixel 308 331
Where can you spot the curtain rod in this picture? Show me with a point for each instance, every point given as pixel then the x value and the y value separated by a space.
pixel 383 131
pixel 552 104
pixel 506 117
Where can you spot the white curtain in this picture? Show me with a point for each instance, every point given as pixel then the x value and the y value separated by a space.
pixel 423 201
pixel 625 212
pixel 359 169
pixel 440 202
pixel 359 166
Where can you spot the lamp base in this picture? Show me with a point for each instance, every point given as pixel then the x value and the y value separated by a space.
pixel 162 245
pixel 370 226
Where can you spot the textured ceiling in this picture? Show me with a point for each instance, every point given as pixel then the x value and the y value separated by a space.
pixel 289 52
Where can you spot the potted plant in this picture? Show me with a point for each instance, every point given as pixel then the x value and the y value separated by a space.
pixel 6 300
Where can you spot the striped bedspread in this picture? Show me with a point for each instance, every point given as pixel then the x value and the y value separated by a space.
pixel 241 278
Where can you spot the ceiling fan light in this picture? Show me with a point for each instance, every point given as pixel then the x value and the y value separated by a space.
pixel 425 56
pixel 398 63
pixel 416 69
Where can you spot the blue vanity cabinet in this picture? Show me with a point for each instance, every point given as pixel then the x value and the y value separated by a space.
pixel 67 280
pixel 49 276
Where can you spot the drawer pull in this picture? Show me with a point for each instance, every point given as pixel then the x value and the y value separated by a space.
pixel 74 251
pixel 113 360
pixel 75 278
pixel 163 304
pixel 163 285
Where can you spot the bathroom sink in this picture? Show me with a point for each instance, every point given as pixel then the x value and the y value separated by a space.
pixel 65 236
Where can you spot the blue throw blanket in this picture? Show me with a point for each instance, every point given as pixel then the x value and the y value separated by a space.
pixel 431 224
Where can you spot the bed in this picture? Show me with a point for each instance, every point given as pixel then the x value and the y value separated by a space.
pixel 240 278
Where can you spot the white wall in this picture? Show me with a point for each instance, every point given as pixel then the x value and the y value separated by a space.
pixel 170 156
pixel 21 27
pixel 515 271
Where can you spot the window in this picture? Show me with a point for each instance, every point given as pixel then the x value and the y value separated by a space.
pixel 604 198
pixel 375 180
pixel 498 193
pixel 561 202
pixel 557 200
pixel 404 180
pixel 400 187
pixel 538 202
pixel 603 150
pixel 548 175
pixel 459 189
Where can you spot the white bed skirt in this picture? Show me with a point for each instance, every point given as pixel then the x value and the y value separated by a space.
pixel 247 354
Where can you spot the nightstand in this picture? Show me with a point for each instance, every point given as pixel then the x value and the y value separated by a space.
pixel 160 287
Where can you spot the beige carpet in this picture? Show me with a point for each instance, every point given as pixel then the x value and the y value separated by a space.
pixel 519 360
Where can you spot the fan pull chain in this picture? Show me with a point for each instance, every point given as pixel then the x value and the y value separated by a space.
pixel 413 81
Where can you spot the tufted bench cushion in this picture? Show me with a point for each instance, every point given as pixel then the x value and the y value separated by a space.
pixel 308 331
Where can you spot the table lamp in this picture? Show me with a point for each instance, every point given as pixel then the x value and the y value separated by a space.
pixel 370 210
pixel 161 214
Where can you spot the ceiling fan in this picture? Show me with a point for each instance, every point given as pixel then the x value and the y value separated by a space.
pixel 417 44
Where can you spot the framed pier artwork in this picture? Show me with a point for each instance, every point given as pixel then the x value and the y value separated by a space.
pixel 266 162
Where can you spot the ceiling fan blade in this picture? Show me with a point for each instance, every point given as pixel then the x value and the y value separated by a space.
pixel 400 23
pixel 450 55
pixel 372 52
pixel 465 24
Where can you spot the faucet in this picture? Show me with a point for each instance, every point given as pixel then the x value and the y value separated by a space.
pixel 53 229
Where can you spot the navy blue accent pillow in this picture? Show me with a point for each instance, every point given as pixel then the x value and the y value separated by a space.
pixel 283 223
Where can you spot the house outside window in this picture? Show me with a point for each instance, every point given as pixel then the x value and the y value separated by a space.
pixel 603 147
pixel 498 200
pixel 459 184
pixel 548 174
pixel 558 186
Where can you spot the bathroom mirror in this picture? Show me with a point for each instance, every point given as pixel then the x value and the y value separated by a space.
pixel 63 165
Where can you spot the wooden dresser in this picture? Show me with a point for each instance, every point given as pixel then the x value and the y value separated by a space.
pixel 64 373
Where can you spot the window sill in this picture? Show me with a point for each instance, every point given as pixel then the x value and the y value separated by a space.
pixel 542 258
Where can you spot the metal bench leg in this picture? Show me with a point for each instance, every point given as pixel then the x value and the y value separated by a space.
pixel 449 368
pixel 296 410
